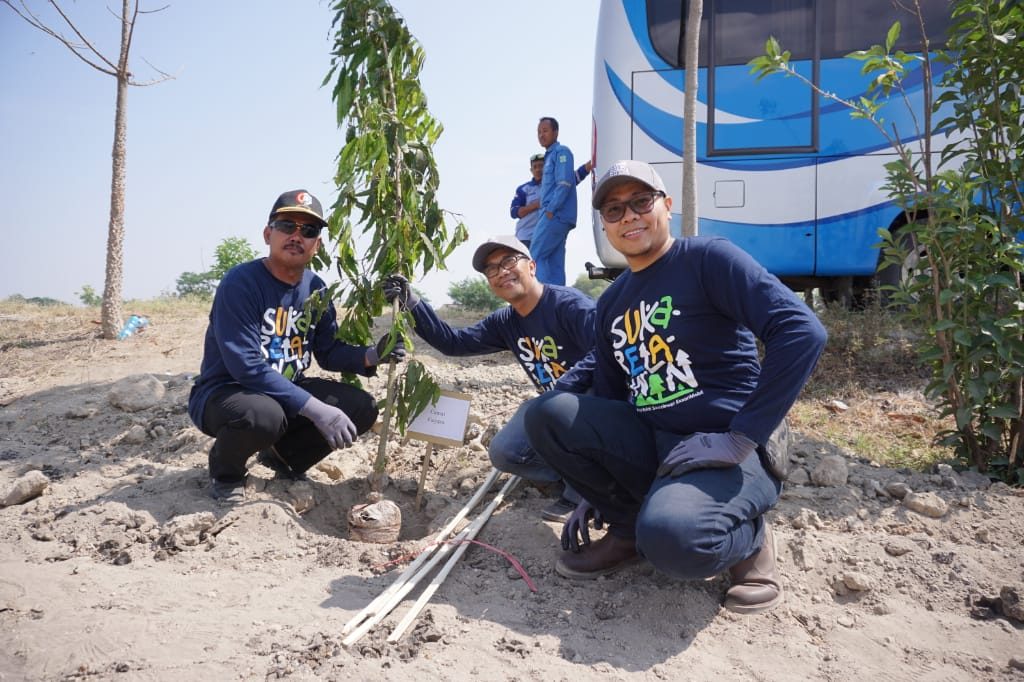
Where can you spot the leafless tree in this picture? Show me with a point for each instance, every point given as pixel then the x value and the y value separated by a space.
pixel 690 52
pixel 85 50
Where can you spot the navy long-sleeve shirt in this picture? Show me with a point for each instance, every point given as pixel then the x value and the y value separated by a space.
pixel 259 338
pixel 557 334
pixel 677 339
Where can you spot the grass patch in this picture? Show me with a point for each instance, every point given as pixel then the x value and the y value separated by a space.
pixel 870 366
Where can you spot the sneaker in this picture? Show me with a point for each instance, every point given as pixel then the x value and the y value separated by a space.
pixel 227 492
pixel 558 511
pixel 271 459
pixel 600 557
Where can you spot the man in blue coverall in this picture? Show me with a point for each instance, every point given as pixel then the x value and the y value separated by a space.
pixel 525 208
pixel 557 205
pixel 668 449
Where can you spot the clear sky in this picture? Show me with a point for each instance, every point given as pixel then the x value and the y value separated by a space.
pixel 245 118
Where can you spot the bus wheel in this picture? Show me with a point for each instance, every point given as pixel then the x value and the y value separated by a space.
pixel 898 273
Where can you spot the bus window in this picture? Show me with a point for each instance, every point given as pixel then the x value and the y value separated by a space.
pixel 747 116
pixel 666 23
pixel 741 28
pixel 850 26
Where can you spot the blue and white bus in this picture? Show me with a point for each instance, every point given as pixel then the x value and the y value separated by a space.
pixel 785 174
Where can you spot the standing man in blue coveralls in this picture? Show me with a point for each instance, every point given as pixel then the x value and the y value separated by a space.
pixel 548 329
pixel 251 394
pixel 557 205
pixel 667 451
pixel 525 208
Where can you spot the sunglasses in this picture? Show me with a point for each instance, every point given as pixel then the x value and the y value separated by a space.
pixel 506 264
pixel 640 203
pixel 289 226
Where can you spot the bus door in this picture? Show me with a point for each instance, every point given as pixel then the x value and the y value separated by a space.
pixel 757 184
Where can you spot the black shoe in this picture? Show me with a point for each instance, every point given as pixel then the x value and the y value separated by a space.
pixel 558 511
pixel 227 492
pixel 272 460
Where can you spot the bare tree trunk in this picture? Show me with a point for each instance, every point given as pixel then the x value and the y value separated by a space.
pixel 111 310
pixel 691 52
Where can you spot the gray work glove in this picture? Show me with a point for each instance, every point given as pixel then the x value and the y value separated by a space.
pixel 706 451
pixel 397 286
pixel 333 424
pixel 575 534
pixel 376 355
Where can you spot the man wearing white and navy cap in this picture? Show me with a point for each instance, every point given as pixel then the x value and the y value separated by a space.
pixel 668 450
pixel 548 328
pixel 251 394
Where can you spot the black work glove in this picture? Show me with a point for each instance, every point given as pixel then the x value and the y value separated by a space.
pixel 575 534
pixel 397 286
pixel 376 355
pixel 706 451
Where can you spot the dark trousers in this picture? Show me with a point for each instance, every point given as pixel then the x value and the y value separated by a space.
pixel 245 422
pixel 690 527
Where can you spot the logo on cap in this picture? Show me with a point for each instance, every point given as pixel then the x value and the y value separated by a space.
pixel 618 169
pixel 303 199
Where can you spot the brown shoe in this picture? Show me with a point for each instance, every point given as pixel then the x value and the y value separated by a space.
pixel 755 583
pixel 600 557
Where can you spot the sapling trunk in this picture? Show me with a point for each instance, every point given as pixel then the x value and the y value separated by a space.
pixel 379 477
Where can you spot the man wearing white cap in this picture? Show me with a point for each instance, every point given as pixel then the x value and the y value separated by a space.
pixel 548 328
pixel 668 451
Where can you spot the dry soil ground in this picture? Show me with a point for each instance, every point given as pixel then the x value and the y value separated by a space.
pixel 124 568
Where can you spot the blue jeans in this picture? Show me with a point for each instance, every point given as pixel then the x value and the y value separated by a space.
pixel 510 452
pixel 548 248
pixel 691 527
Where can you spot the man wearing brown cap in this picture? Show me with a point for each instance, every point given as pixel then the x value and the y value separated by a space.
pixel 251 394
pixel 548 328
pixel 668 451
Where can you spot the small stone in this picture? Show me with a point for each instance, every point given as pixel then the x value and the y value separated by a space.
pixel 1012 606
pixel 806 519
pixel 899 546
pixel 897 489
pixel 136 435
pixel 856 581
pixel 799 476
pixel 882 609
pixel 928 504
pixel 1016 663
pixel 332 470
pixel 846 621
pixel 27 487
pixel 831 471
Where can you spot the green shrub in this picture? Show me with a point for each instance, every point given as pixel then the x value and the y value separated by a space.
pixel 474 292
pixel 591 287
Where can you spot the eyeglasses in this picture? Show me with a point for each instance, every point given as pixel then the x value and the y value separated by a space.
pixel 289 227
pixel 640 203
pixel 506 264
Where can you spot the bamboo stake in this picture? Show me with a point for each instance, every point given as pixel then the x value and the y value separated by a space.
pixel 372 608
pixel 470 534
pixel 423 475
pixel 396 598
